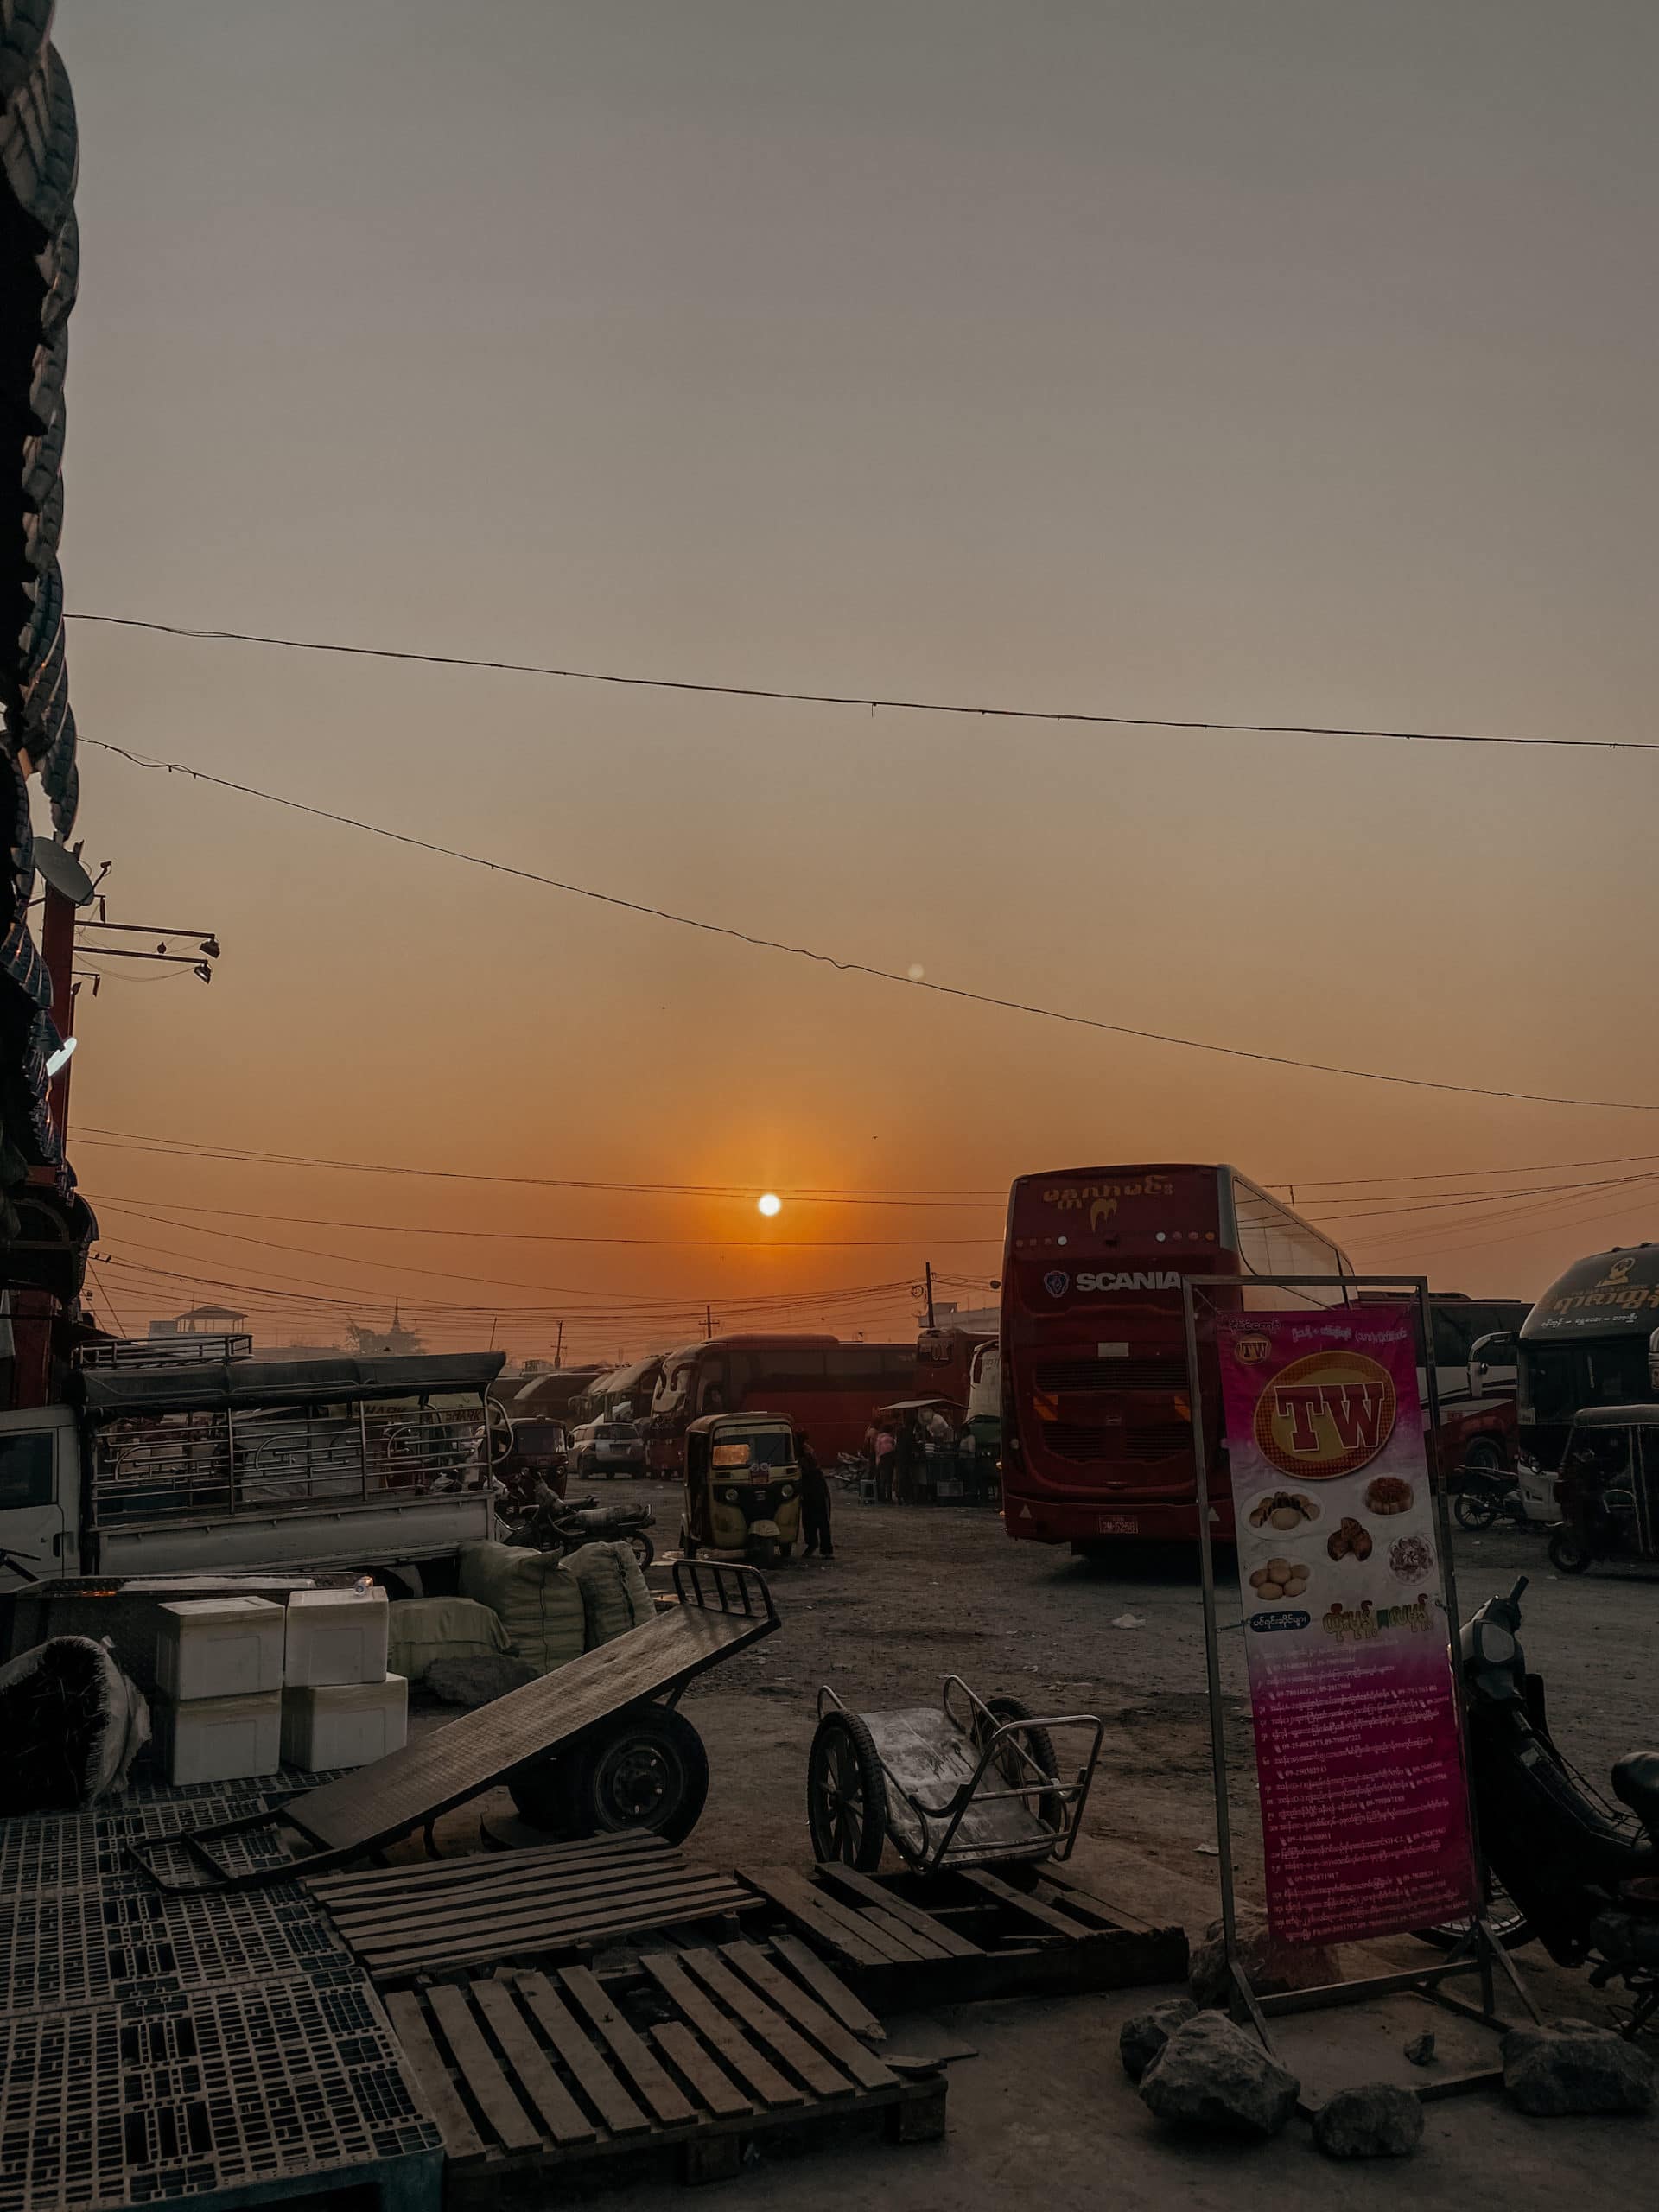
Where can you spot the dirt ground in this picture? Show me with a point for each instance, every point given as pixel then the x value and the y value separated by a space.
pixel 914 1594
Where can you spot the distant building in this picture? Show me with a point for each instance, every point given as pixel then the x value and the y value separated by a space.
pixel 201 1321
pixel 395 1341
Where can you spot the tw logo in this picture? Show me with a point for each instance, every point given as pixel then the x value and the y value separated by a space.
pixel 1325 1414
pixel 1357 1411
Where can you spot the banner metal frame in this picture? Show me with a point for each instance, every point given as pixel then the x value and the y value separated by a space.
pixel 1479 1951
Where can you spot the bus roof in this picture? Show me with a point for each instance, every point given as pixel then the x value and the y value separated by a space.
pixel 1612 1293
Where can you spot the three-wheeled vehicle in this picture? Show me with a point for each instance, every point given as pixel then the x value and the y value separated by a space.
pixel 742 1488
pixel 1608 1488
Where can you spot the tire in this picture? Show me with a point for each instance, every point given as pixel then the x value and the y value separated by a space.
pixel 1486 1456
pixel 1040 1744
pixel 846 1795
pixel 1567 1554
pixel 1475 1508
pixel 642 1547
pixel 764 1551
pixel 640 1773
pixel 1509 1924
pixel 785 1550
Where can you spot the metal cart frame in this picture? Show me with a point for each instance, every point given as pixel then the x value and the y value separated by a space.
pixel 969 1825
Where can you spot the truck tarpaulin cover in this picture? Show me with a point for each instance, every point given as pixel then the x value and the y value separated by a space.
pixel 109 1394
pixel 72 1725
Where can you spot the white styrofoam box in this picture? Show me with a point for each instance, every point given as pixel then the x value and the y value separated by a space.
pixel 218 1647
pixel 344 1724
pixel 336 1637
pixel 219 1738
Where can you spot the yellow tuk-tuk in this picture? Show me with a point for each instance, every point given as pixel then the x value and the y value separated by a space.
pixel 742 1488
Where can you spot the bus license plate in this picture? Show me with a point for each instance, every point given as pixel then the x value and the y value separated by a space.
pixel 1118 1524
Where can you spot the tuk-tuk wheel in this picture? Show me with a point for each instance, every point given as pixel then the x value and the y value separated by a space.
pixel 846 1794
pixel 1567 1554
pixel 764 1551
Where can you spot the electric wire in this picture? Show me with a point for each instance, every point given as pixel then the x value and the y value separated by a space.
pixel 817 957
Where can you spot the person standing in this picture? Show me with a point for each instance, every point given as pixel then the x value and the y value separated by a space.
pixel 883 1450
pixel 815 1502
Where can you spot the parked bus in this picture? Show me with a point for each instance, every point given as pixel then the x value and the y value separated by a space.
pixel 1096 1425
pixel 827 1387
pixel 1588 1342
pixel 945 1361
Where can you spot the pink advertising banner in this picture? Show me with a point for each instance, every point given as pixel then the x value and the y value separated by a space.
pixel 1364 1808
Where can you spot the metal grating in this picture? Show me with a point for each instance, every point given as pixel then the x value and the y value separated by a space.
pixel 218 2090
pixel 73 1947
pixel 68 1850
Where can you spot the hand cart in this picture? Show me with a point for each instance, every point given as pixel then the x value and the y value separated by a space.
pixel 967 1783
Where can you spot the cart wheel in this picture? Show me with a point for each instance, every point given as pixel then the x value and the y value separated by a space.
pixel 1475 1508
pixel 1567 1554
pixel 644 1772
pixel 846 1794
pixel 642 1547
pixel 1039 1743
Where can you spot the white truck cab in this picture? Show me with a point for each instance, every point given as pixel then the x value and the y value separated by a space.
pixel 228 1465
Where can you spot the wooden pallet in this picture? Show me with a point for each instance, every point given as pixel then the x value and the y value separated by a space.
pixel 902 1942
pixel 534 2077
pixel 547 1902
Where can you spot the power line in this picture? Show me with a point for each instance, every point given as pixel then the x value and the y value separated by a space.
pixel 688 1243
pixel 868 968
pixel 812 1194
pixel 867 703
pixel 143 1141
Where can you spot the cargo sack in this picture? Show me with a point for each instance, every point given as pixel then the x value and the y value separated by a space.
pixel 536 1603
pixel 72 1725
pixel 421 1630
pixel 615 1595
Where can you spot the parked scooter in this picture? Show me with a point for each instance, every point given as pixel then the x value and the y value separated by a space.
pixel 556 1524
pixel 1488 1495
pixel 1584 1875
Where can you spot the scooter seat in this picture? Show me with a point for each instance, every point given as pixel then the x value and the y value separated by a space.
pixel 1636 1783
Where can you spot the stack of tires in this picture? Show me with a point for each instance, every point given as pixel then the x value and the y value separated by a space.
pixel 39 268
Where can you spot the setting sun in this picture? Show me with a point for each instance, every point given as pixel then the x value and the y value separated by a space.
pixel 770 1204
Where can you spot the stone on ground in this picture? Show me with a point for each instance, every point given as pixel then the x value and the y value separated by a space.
pixel 1141 2038
pixel 477 1678
pixel 1374 2120
pixel 1211 2078
pixel 1552 2071
pixel 1271 1967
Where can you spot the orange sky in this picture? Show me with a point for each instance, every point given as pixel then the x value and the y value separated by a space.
pixel 1288 364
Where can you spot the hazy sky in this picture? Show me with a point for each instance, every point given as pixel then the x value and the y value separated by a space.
pixel 1287 362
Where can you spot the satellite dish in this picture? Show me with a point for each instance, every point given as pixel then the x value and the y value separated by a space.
pixel 62 870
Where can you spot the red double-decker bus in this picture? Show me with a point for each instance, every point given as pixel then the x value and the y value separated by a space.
pixel 1096 1422
pixel 825 1385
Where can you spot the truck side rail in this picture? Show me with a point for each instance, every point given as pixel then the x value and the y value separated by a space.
pixel 264 1460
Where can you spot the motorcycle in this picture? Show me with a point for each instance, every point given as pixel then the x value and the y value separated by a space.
pixel 1488 1494
pixel 557 1524
pixel 1582 1876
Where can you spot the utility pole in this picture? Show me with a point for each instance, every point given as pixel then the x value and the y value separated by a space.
pixel 707 1323
pixel 558 1349
pixel 927 1265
